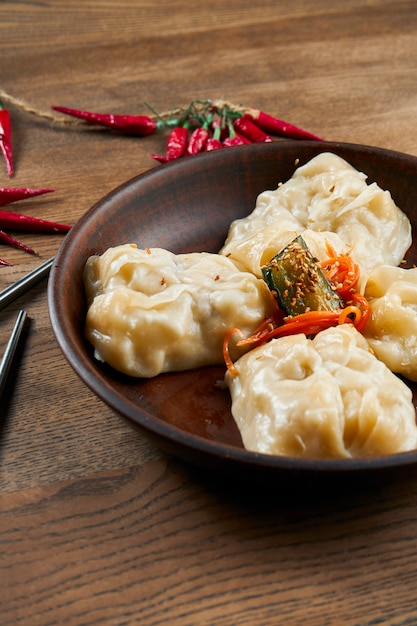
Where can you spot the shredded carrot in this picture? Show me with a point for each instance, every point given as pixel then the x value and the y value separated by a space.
pixel 342 271
pixel 226 356
pixel 312 322
pixel 365 310
pixel 262 332
pixel 309 323
pixel 347 311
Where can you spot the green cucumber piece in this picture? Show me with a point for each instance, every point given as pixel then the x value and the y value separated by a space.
pixel 298 281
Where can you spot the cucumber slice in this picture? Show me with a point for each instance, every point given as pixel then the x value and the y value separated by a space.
pixel 298 281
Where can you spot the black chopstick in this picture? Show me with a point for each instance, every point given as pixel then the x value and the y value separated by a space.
pixel 12 344
pixel 23 284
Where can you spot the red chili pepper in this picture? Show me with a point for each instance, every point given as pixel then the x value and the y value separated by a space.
pixel 246 126
pixel 213 144
pixel 6 139
pixel 10 241
pixel 198 140
pixel 220 129
pixel 275 126
pixel 243 139
pixel 162 158
pixel 141 125
pixel 16 221
pixel 13 194
pixel 176 145
pixel 3 262
pixel 235 139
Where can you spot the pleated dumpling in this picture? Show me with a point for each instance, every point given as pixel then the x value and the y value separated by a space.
pixel 151 311
pixel 392 329
pixel 328 397
pixel 326 201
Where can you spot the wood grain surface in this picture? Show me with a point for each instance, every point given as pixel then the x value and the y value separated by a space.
pixel 98 526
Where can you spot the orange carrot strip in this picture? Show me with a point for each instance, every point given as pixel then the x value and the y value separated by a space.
pixel 348 310
pixel 343 272
pixel 226 356
pixel 309 323
pixel 365 310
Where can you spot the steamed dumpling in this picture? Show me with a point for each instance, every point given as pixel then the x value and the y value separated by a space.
pixel 392 329
pixel 326 200
pixel 151 311
pixel 329 397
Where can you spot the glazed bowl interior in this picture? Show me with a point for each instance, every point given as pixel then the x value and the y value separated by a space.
pixel 187 206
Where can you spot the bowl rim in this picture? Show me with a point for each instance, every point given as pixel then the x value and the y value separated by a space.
pixel 170 432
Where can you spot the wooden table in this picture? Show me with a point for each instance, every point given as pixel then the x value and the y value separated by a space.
pixel 98 526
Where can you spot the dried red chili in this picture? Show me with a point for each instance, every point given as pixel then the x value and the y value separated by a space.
pixel 17 221
pixel 198 140
pixel 275 126
pixel 141 125
pixel 234 141
pixel 6 138
pixel 13 194
pixel 213 144
pixel 246 126
pixel 176 145
pixel 250 125
pixel 234 138
pixel 11 241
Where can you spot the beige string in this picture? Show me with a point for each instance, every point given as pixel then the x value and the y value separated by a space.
pixel 53 117
pixel 24 106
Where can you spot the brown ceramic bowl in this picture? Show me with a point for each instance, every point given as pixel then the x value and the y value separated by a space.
pixel 188 206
